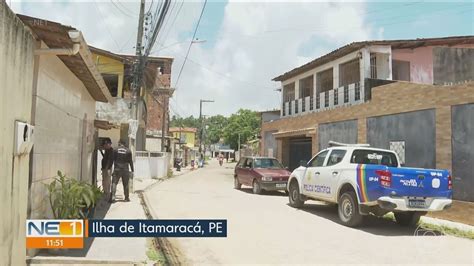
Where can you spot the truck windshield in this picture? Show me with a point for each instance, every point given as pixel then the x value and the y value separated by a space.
pixel 374 157
pixel 267 163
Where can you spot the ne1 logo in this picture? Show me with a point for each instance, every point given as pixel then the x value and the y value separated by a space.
pixel 54 233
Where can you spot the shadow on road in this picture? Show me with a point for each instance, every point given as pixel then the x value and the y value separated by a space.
pixel 265 193
pixel 372 224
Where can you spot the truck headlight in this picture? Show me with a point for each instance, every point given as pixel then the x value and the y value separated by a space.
pixel 266 178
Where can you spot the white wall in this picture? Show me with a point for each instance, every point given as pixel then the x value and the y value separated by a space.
pixel 64 118
pixel 16 78
pixel 364 65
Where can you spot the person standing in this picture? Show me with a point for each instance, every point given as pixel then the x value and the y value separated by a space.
pixel 122 159
pixel 107 161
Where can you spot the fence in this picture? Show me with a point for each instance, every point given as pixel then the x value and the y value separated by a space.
pixel 151 164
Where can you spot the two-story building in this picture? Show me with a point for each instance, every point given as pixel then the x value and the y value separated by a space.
pixel 344 96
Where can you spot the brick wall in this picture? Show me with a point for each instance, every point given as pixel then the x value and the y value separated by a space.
pixel 389 99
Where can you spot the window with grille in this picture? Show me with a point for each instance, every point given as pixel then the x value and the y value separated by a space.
pixel 306 87
pixel 324 80
pixel 349 72
pixel 289 92
pixel 373 65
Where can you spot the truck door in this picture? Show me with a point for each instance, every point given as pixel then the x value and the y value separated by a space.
pixel 312 178
pixel 330 173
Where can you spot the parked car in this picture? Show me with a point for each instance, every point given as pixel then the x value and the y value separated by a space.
pixel 364 180
pixel 261 173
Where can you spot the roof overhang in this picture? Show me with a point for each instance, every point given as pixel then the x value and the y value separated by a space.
pixel 55 35
pixel 395 44
pixel 102 124
pixel 304 132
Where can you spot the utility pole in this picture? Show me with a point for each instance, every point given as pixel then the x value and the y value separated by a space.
pixel 201 122
pixel 138 60
pixel 137 74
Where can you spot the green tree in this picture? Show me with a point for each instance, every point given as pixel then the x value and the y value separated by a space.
pixel 215 126
pixel 245 123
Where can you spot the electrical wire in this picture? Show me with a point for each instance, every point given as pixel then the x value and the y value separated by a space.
pixel 105 24
pixel 191 43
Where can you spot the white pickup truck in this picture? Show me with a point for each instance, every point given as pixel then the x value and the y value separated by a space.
pixel 364 180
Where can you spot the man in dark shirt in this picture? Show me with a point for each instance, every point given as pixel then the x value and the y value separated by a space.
pixel 107 161
pixel 122 158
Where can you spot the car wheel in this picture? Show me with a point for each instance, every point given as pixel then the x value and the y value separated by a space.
pixel 348 210
pixel 256 188
pixel 237 185
pixel 294 196
pixel 407 218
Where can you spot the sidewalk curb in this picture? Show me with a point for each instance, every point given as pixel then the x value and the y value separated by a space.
pixel 447 223
pixel 172 255
pixel 69 260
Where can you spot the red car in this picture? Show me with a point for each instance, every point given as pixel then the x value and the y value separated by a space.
pixel 261 173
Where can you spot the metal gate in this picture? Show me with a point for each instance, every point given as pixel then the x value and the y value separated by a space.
pixel 300 149
pixel 463 151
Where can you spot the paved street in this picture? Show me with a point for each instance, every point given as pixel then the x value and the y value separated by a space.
pixel 264 229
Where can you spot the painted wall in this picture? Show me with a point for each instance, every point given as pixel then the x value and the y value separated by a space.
pixel 107 65
pixel 344 131
pixel 463 151
pixel 421 63
pixel 188 137
pixel 270 147
pixel 64 118
pixel 16 79
pixel 417 129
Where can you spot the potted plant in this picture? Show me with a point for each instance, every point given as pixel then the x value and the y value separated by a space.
pixel 72 199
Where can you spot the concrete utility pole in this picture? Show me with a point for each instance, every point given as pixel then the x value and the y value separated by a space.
pixel 201 121
pixel 138 60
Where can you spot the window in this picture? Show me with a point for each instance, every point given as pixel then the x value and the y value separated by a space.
pixel 111 81
pixel 319 159
pixel 336 157
pixel 249 163
pixel 374 157
pixel 306 87
pixel 373 65
pixel 349 73
pixel 324 81
pixel 289 92
pixel 400 70
pixel 267 163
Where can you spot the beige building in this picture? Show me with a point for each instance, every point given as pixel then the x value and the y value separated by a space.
pixel 50 83
pixel 352 95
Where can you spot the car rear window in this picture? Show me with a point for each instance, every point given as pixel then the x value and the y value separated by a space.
pixel 267 163
pixel 374 157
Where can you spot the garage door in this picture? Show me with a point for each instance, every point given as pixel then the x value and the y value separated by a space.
pixel 463 151
pixel 300 149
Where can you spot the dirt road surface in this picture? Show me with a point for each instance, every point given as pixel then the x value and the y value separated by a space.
pixel 264 229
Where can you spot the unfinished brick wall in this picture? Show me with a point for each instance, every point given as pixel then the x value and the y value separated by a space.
pixel 389 99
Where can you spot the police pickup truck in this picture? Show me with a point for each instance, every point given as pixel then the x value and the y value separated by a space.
pixel 363 180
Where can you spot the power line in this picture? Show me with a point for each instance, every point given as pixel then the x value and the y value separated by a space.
pixel 121 11
pixel 105 24
pixel 191 42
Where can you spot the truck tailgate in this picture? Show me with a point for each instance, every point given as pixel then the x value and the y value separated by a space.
pixel 375 181
pixel 420 182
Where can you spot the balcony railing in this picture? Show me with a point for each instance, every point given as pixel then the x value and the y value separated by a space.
pixel 344 96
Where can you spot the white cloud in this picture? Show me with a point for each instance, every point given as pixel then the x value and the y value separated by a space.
pixel 255 42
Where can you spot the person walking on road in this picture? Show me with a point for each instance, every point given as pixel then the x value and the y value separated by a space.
pixel 122 159
pixel 107 161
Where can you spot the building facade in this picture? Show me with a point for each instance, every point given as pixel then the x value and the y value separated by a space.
pixel 352 95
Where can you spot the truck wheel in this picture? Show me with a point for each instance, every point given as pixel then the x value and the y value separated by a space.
pixel 256 187
pixel 237 185
pixel 407 218
pixel 294 196
pixel 348 210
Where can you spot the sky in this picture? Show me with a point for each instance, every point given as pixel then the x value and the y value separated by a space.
pixel 247 43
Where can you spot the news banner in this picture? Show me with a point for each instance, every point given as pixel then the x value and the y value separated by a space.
pixel 71 233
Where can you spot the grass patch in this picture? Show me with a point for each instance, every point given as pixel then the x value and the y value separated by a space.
pixel 155 255
pixel 446 230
